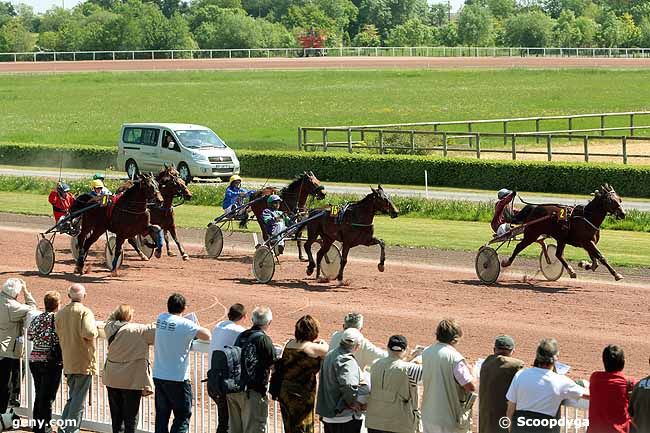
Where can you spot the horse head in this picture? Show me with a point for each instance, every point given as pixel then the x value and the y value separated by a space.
pixel 382 203
pixel 171 183
pixel 310 180
pixel 150 188
pixel 612 202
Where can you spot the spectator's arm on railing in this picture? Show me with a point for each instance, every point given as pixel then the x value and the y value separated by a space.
pixel 203 334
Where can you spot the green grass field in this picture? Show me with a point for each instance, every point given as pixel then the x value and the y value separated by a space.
pixel 263 109
pixel 404 231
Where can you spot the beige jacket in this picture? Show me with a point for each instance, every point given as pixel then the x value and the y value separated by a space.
pixel 77 331
pixel 12 317
pixel 127 363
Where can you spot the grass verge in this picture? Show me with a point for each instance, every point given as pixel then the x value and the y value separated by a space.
pixel 622 248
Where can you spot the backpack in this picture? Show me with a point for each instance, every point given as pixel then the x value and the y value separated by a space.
pixel 250 372
pixel 233 367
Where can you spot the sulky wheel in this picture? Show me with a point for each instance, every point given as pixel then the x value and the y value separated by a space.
pixel 74 247
pixel 552 268
pixel 487 264
pixel 331 263
pixel 213 241
pixel 145 244
pixel 109 251
pixel 44 256
pixel 263 264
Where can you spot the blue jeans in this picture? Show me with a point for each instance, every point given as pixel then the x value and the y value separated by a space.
pixel 172 396
pixel 78 386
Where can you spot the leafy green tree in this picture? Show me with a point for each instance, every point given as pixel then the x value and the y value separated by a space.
pixel 438 14
pixel 367 37
pixel 448 34
pixel 15 38
pixel 629 30
pixel 7 12
pixel 611 31
pixel 30 20
pixel 302 18
pixel 566 31
pixel 588 31
pixel 644 32
pixel 412 33
pixel 502 8
pixel 529 29
pixel 475 26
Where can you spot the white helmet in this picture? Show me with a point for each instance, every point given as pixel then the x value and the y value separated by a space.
pixel 503 192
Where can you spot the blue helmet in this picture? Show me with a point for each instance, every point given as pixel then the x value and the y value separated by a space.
pixel 62 188
pixel 273 198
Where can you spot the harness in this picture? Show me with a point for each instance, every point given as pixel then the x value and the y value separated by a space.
pixel 339 214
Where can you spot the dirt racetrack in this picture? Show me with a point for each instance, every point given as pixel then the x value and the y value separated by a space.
pixel 327 62
pixel 409 298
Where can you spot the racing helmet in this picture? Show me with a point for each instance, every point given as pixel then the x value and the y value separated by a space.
pixel 233 178
pixel 63 188
pixel 273 198
pixel 503 192
pixel 99 176
pixel 97 184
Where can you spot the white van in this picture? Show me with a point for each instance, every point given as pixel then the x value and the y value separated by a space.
pixel 195 150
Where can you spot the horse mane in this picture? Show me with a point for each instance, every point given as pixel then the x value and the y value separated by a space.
pixel 295 183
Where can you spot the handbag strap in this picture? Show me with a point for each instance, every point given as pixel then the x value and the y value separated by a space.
pixel 112 337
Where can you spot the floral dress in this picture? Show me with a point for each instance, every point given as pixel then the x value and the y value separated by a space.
pixel 298 390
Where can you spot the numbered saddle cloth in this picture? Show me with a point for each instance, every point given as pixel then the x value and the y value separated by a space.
pixel 338 212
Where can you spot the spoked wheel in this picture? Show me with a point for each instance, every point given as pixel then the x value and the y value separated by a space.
pixel 144 243
pixel 552 268
pixel 44 256
pixel 263 264
pixel 213 241
pixel 109 251
pixel 487 264
pixel 74 247
pixel 331 263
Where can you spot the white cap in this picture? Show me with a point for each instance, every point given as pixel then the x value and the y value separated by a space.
pixel 12 287
pixel 352 336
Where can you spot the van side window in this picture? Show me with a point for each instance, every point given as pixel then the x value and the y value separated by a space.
pixel 132 135
pixel 150 137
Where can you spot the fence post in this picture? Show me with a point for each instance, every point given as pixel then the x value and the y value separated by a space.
pixel 586 146
pixel 469 129
pixel 602 125
pixel 632 124
pixel 324 140
pixel 624 143
pixel 299 138
pixel 363 136
pixel 505 131
pixel 478 146
pixel 349 140
pixel 537 130
pixel 412 141
pixel 444 144
pixel 570 128
pixel 549 151
pixel 381 142
pixel 514 147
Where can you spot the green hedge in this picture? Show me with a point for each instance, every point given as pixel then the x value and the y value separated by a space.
pixel 574 178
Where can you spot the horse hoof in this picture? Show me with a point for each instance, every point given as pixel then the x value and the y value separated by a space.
pixel 505 263
pixel 185 257
pixel 171 254
pixel 114 274
pixel 343 283
pixel 380 267
pixel 582 264
pixel 618 277
pixel 323 280
pixel 309 271
pixel 573 274
pixel 158 254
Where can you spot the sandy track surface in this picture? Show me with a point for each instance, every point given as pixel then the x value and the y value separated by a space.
pixel 409 298
pixel 326 62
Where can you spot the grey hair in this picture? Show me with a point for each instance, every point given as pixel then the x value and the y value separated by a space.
pixel 261 316
pixel 12 287
pixel 76 292
pixel 353 320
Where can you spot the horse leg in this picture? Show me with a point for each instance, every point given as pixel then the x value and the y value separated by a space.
pixel 172 232
pixel 324 248
pixel 593 251
pixel 559 253
pixel 84 248
pixel 135 246
pixel 311 237
pixel 344 260
pixel 170 253
pixel 382 252
pixel 119 242
pixel 525 242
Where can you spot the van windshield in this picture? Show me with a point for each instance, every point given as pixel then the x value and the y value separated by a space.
pixel 198 139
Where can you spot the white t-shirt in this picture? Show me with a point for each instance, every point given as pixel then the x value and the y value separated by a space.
pixel 174 335
pixel 224 334
pixel 541 390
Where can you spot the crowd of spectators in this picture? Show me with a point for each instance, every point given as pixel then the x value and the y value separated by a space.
pixel 358 382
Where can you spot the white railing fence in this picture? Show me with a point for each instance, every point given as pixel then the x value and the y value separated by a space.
pixel 97 415
pixel 57 56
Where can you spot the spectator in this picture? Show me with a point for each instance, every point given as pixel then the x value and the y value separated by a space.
pixel 12 317
pixel 45 362
pixel 497 373
pixel 393 403
pixel 301 360
pixel 127 372
pixel 448 384
pixel 224 334
pixel 77 331
pixel 368 352
pixel 609 394
pixel 248 409
pixel 639 408
pixel 536 393
pixel 171 369
pixel 339 382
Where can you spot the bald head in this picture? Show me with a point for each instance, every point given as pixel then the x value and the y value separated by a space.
pixel 77 292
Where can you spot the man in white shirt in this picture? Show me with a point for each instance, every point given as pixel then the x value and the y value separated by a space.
pixel 224 334
pixel 368 353
pixel 535 394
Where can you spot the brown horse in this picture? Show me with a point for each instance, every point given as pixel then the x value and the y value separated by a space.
pixel 352 226
pixel 129 217
pixel 294 198
pixel 579 227
pixel 171 186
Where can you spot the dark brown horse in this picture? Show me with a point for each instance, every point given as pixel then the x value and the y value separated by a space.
pixel 579 227
pixel 294 198
pixel 352 227
pixel 171 186
pixel 128 218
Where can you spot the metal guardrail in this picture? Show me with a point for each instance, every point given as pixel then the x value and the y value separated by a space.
pixel 56 56
pixel 404 137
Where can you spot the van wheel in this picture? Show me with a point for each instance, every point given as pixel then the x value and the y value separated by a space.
pixel 131 169
pixel 184 172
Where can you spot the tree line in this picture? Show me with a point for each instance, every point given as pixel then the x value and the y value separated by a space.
pixel 113 25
